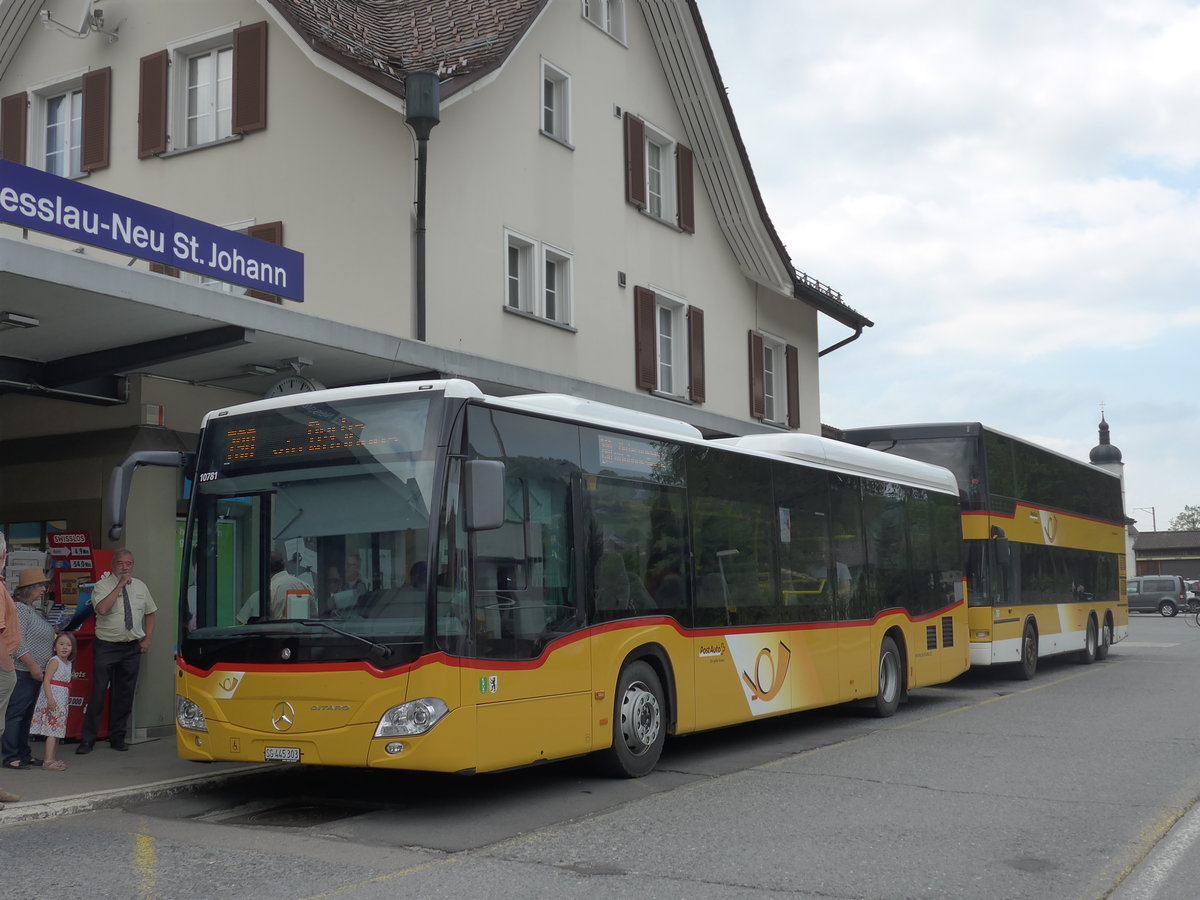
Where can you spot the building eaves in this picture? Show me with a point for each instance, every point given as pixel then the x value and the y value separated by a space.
pixel 15 18
pixel 383 40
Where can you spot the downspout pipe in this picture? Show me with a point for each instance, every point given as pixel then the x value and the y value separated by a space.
pixel 422 111
pixel 842 343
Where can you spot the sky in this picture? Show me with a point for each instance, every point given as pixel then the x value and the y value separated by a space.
pixel 1009 192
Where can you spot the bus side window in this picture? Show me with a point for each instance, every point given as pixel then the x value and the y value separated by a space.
pixel 811 578
pixel 636 551
pixel 849 547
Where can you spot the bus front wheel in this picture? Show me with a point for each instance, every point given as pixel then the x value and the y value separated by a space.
pixel 638 727
pixel 1029 652
pixel 891 682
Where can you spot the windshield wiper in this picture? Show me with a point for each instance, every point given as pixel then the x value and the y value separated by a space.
pixel 383 651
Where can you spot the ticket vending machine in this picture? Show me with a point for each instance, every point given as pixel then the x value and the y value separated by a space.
pixel 76 567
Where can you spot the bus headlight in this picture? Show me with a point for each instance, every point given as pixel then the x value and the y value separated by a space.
pixel 413 717
pixel 188 715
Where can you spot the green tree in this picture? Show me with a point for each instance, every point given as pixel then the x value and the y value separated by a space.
pixel 1188 520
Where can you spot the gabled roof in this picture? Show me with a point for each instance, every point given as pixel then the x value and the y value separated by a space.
pixel 466 40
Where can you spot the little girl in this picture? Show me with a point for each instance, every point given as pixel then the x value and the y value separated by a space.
pixel 50 712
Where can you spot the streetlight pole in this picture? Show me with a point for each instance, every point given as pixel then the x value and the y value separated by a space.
pixel 422 110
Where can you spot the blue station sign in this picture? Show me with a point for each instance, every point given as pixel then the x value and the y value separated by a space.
pixel 78 212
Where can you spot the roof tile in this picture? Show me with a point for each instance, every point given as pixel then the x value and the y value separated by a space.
pixel 458 39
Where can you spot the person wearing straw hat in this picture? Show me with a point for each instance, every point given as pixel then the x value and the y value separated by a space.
pixel 35 650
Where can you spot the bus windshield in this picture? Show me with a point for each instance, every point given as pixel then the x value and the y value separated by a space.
pixel 319 516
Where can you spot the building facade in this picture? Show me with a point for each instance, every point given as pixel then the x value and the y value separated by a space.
pixel 590 224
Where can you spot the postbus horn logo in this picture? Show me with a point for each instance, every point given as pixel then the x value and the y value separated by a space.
pixel 764 664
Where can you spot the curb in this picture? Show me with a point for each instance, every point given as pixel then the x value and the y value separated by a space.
pixel 36 810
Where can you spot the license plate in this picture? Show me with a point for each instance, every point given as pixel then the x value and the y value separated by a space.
pixel 281 754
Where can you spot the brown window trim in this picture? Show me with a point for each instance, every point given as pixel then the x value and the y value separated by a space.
pixel 272 233
pixel 97 117
pixel 13 125
pixel 152 104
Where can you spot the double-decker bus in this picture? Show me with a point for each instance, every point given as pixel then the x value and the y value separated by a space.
pixel 418 576
pixel 1045 538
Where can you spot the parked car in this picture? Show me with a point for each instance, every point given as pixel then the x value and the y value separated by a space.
pixel 1165 594
pixel 1193 591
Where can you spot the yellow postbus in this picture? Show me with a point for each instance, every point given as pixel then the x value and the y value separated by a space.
pixel 1045 539
pixel 418 576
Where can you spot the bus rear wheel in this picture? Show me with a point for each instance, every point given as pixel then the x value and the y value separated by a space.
pixel 1105 641
pixel 1029 652
pixel 891 681
pixel 638 728
pixel 1090 650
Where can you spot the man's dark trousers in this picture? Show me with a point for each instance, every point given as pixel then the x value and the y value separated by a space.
pixel 118 663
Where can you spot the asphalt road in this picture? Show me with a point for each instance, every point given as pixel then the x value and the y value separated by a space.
pixel 1078 784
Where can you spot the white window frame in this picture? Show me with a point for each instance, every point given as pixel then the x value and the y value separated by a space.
pixel 519 272
pixel 40 97
pixel 671 373
pixel 527 287
pixel 557 306
pixel 180 53
pixel 607 15
pixel 556 83
pixel 775 399
pixel 216 283
pixel 661 200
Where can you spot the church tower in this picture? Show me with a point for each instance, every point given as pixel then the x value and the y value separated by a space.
pixel 1105 455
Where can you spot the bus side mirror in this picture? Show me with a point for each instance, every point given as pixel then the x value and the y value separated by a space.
pixel 484 483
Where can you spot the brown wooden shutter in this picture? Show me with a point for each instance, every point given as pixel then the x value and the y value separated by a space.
pixel 635 161
pixel 152 104
pixel 696 354
pixel 12 127
pixel 272 233
pixel 164 270
pixel 683 179
pixel 793 386
pixel 250 78
pixel 758 403
pixel 644 338
pixel 97 113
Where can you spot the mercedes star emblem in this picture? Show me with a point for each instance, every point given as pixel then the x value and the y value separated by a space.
pixel 283 716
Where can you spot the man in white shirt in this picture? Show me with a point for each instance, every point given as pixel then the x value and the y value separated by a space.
pixel 124 629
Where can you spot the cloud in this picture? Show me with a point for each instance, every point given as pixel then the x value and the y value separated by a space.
pixel 1013 199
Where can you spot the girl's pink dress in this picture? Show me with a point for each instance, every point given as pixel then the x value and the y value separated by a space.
pixel 54 724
